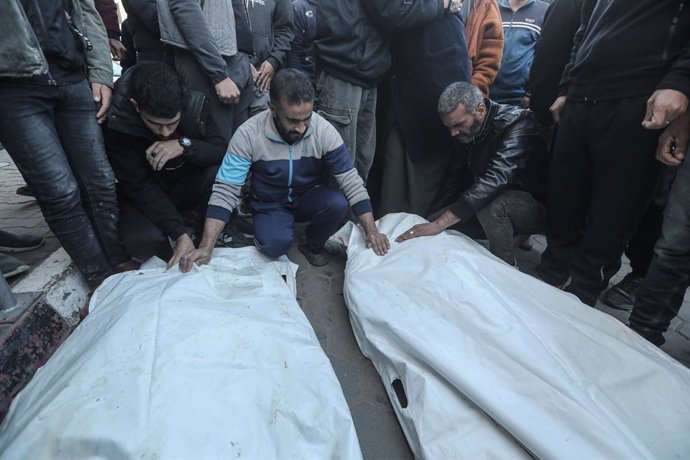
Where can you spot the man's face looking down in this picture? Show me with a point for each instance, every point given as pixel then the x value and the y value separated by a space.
pixel 462 124
pixel 162 128
pixel 292 120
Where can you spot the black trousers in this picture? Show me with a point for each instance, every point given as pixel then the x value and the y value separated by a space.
pixel 142 238
pixel 602 178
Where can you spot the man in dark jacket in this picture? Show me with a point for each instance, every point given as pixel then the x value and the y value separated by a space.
pixel 54 89
pixel 271 22
pixel 561 21
pixel 142 22
pixel 487 193
pixel 353 54
pixel 165 153
pixel 107 10
pixel 620 92
pixel 212 42
pixel 302 55
pixel 415 155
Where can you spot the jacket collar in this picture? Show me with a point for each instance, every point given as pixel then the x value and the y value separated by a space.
pixel 487 124
pixel 506 4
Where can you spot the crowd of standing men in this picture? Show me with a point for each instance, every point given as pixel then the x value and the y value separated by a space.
pixel 499 118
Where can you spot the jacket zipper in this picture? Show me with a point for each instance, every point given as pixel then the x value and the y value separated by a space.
pixel 672 29
pixel 289 195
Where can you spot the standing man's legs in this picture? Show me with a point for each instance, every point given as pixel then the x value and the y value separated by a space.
pixel 28 131
pixel 659 298
pixel 82 139
pixel 351 109
pixel 569 194
pixel 624 180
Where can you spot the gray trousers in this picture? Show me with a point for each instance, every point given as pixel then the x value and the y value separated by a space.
pixel 408 186
pixel 351 109
pixel 512 213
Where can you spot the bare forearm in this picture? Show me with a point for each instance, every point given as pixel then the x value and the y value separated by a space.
pixel 447 219
pixel 367 222
pixel 212 228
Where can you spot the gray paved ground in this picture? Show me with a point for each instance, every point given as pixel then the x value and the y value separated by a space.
pixel 320 295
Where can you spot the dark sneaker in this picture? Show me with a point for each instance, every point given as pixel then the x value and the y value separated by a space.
pixel 18 243
pixel 621 296
pixel 335 247
pixel 25 190
pixel 317 259
pixel 11 266
pixel 231 237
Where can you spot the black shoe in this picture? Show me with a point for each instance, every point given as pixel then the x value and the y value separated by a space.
pixel 25 190
pixel 334 247
pixel 317 259
pixel 231 237
pixel 621 296
pixel 19 243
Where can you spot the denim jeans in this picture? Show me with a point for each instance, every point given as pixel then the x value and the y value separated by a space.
pixel 351 109
pixel 512 213
pixel 659 298
pixel 52 135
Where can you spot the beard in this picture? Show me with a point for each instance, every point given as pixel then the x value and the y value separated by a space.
pixel 288 136
pixel 474 131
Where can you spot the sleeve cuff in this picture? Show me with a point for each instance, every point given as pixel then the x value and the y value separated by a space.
pixel 462 210
pixel 362 207
pixel 219 213
pixel 217 78
pixel 274 62
pixel 114 34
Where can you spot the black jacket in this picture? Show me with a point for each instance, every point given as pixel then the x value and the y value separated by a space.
pixel 352 41
pixel 271 22
pixel 629 48
pixel 554 46
pixel 60 46
pixel 496 160
pixel 126 141
pixel 425 61
pixel 142 21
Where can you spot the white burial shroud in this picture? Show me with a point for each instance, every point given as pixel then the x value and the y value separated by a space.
pixel 218 363
pixel 497 364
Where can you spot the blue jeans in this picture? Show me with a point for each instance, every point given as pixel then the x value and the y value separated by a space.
pixel 659 298
pixel 323 207
pixel 53 138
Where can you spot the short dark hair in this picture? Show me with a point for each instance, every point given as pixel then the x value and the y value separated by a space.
pixel 157 89
pixel 291 86
pixel 457 94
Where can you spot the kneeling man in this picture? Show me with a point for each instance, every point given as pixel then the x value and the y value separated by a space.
pixel 287 150
pixel 489 191
pixel 165 153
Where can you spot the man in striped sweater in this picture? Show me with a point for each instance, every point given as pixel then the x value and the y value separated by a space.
pixel 287 149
